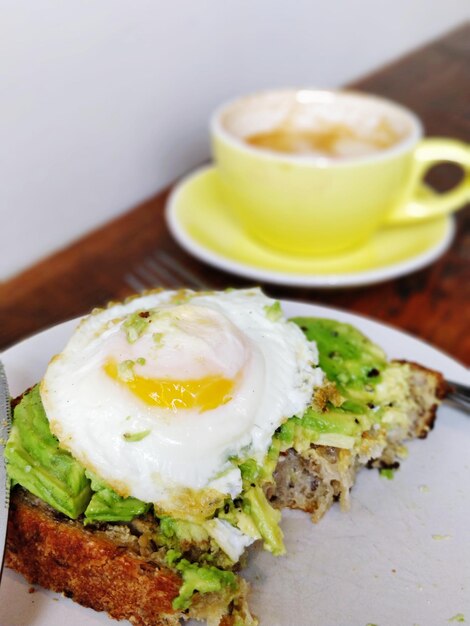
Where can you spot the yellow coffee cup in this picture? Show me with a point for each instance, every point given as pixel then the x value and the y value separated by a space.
pixel 316 172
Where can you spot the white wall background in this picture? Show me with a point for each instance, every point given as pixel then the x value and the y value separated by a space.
pixel 103 102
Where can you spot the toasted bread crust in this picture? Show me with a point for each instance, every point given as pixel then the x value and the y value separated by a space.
pixel 88 567
pixel 102 569
pixel 429 388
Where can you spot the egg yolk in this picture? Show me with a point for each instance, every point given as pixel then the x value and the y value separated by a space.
pixel 203 394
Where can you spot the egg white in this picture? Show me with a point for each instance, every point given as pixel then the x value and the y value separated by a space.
pixel 189 336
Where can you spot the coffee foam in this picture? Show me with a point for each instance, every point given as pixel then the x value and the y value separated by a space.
pixel 359 121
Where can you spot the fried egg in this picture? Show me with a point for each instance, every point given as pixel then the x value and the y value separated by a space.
pixel 162 395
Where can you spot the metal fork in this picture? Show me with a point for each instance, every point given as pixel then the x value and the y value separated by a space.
pixel 459 395
pixel 159 269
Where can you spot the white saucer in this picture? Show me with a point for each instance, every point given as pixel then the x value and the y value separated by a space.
pixel 200 221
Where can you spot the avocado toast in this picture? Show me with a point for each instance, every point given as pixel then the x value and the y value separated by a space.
pixel 361 414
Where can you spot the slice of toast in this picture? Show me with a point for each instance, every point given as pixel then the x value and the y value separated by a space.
pixel 106 569
pixel 111 567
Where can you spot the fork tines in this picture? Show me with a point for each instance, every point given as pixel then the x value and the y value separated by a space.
pixel 161 270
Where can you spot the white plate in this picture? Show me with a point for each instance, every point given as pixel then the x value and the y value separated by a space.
pixel 400 557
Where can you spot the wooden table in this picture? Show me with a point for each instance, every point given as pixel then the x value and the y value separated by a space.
pixel 433 303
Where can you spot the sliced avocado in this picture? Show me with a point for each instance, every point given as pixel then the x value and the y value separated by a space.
pixel 271 460
pixel 266 519
pixel 107 506
pixel 183 530
pixel 335 420
pixel 37 463
pixel 347 357
pixel 373 391
pixel 250 471
pixel 204 579
pixel 181 536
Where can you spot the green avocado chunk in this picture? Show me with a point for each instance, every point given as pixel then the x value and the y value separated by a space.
pixel 36 462
pixel 182 530
pixel 204 579
pixel 347 357
pixel 266 519
pixel 107 506
pixel 335 420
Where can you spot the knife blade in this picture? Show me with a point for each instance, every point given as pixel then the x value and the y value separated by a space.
pixel 5 423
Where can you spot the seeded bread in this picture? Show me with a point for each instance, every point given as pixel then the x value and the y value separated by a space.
pixel 107 569
pixel 313 480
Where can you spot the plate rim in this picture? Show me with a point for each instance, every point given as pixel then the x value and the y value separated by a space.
pixel 329 281
pixel 5 355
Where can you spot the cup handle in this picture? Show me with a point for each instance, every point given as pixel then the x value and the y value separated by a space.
pixel 424 204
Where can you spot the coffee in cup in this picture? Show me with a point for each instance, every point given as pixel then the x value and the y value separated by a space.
pixel 315 172
pixel 328 139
